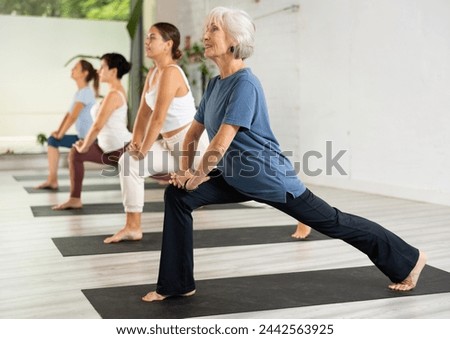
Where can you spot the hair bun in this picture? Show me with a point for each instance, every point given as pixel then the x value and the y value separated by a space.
pixel 127 67
pixel 177 54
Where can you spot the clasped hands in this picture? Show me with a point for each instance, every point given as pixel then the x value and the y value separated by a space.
pixel 186 180
pixel 56 135
pixel 79 146
pixel 135 151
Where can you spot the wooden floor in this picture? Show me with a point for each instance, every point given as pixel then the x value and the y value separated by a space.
pixel 37 282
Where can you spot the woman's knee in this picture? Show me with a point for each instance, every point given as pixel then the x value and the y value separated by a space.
pixel 73 154
pixel 171 193
pixel 130 166
pixel 73 158
pixel 174 195
pixel 53 142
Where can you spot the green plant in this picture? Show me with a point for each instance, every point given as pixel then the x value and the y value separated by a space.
pixel 134 18
pixel 88 9
pixel 195 55
pixel 41 139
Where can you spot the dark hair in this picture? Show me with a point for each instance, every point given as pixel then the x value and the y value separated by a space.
pixel 170 32
pixel 118 61
pixel 92 74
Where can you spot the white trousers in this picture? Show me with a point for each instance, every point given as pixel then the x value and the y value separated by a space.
pixel 161 159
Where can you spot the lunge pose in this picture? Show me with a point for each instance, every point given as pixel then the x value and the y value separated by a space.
pixel 243 161
pixel 79 114
pixel 167 108
pixel 105 141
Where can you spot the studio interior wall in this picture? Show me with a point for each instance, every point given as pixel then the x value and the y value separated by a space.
pixel 35 88
pixel 368 79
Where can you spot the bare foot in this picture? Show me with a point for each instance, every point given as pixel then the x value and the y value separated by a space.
pixel 301 232
pixel 153 296
pixel 72 203
pixel 411 280
pixel 47 186
pixel 124 234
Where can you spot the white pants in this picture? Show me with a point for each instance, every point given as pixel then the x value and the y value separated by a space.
pixel 161 159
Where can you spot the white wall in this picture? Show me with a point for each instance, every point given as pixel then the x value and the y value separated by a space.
pixel 372 76
pixel 35 87
pixel 375 79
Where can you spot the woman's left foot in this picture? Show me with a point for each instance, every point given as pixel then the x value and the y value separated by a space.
pixel 301 232
pixel 153 296
pixel 47 186
pixel 124 234
pixel 72 203
pixel 411 280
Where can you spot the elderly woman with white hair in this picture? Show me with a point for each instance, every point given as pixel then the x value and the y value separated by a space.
pixel 244 162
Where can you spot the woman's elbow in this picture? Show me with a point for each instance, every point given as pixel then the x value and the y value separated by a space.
pixel 195 131
pixel 157 123
pixel 144 113
pixel 192 135
pixel 219 148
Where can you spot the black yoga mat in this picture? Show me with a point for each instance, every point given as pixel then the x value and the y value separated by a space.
pixel 87 174
pixel 89 245
pixel 92 188
pixel 114 208
pixel 261 293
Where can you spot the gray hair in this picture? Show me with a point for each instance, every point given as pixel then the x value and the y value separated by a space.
pixel 237 24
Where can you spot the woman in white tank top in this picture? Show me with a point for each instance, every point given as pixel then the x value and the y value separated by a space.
pixel 106 139
pixel 167 108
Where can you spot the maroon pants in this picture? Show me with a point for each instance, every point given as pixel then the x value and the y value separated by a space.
pixel 76 165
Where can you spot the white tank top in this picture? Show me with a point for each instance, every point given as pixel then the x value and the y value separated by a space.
pixel 114 134
pixel 181 110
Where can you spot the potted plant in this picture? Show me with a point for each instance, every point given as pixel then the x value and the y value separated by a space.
pixel 193 61
pixel 41 139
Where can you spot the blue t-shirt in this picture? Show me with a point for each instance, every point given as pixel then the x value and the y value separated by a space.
pixel 84 122
pixel 254 163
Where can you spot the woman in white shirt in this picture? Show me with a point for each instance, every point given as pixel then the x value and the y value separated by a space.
pixel 167 108
pixel 107 138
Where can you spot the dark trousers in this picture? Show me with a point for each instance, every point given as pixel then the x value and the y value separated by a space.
pixel 66 141
pixel 393 256
pixel 76 164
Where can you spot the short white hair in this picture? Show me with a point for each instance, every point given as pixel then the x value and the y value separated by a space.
pixel 238 25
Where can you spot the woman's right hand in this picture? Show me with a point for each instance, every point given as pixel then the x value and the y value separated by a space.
pixel 133 149
pixel 80 146
pixel 55 135
pixel 179 178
